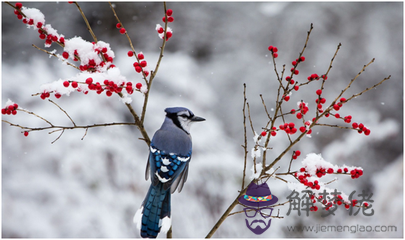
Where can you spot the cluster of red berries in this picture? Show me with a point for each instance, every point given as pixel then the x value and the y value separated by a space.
pixel 18 7
pixel 122 30
pixel 296 154
pixel 10 109
pixel 338 105
pixel 315 76
pixel 361 128
pixel 272 132
pixel 356 173
pixel 140 64
pixel 319 101
pixel 289 128
pixel 298 60
pixel 304 128
pixel 169 13
pixel 49 38
pixel 274 51
pixel 303 179
pixel 161 30
pixel 302 110
pixel 91 65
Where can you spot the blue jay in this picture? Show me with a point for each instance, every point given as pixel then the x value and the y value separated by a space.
pixel 169 156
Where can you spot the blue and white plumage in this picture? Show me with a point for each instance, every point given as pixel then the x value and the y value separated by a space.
pixel 169 157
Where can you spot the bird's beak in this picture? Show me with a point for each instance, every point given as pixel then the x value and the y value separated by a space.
pixel 197 119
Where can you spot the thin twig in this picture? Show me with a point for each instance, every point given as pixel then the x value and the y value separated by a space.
pixel 53 54
pixel 153 73
pixel 85 133
pixel 34 114
pixel 245 136
pixel 87 22
pixel 63 130
pixel 74 124
pixel 66 127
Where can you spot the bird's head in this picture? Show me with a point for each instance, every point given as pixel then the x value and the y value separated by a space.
pixel 182 117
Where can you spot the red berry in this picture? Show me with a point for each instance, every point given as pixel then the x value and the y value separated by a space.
pixel 294 63
pixel 130 53
pixel 299 115
pixel 330 170
pixel 141 56
pixel 18 5
pixel 339 170
pixel 160 30
pixel 169 12
pixel 336 107
pixel 65 55
pixel 296 72
pixel 270 48
pixel 146 73
pixel 302 58
pixel 263 133
pixel 273 133
pixel 138 69
pixel 169 35
pixel 58 95
pixel 346 170
pixel 367 132
pixel 318 92
pixel 118 25
pixel 122 30
pixel 14 112
pixel 286 98
pixel 275 49
pixel 89 80
pixel 343 99
pixel 303 129
pixel 302 170
pixel 296 87
pixel 298 152
pixel 108 93
pixel 170 19
pixel 66 83
pixel 275 55
pixel 138 85
pixel 26 133
pixel 361 125
pixel 74 84
pixel 337 115
pixel 143 64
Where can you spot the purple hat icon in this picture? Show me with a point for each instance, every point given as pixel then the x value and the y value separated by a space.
pixel 258 196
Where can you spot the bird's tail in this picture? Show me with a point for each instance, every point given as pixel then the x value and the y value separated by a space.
pixel 154 215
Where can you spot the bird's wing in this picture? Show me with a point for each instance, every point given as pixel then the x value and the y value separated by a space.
pixel 167 168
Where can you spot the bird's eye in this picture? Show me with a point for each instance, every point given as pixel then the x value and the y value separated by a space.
pixel 183 116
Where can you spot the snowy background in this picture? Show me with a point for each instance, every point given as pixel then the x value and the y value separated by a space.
pixel 93 187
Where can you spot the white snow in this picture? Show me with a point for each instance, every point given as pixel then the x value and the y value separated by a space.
pixel 165 224
pixel 34 14
pixel 138 218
